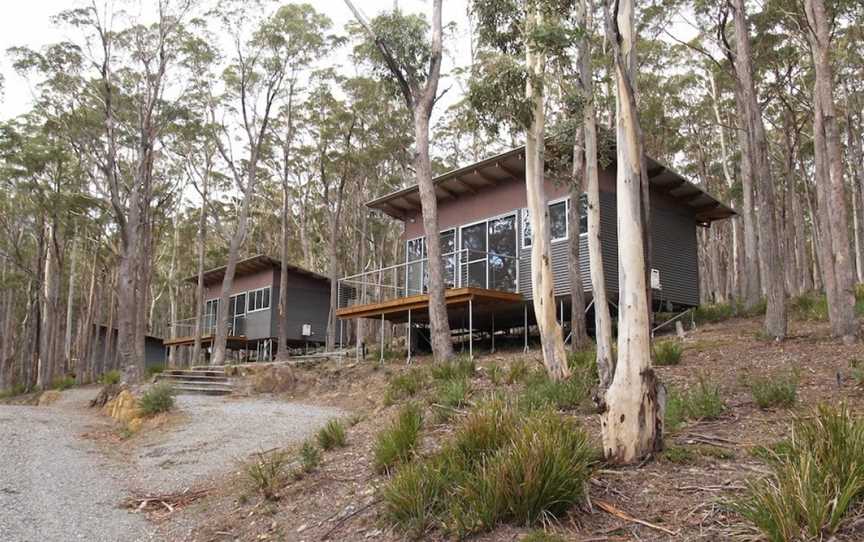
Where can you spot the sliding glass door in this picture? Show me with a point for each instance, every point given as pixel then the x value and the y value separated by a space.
pixel 417 268
pixel 503 262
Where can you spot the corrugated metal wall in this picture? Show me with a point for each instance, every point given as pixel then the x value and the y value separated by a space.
pixel 673 247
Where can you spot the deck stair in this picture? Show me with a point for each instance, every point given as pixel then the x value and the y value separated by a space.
pixel 203 380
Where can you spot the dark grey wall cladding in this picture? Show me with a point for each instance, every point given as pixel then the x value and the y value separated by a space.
pixel 673 247
pixel 258 323
pixel 308 303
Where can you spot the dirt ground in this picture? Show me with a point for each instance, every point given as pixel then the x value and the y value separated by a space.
pixel 680 499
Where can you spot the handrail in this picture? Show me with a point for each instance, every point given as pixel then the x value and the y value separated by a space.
pixel 409 277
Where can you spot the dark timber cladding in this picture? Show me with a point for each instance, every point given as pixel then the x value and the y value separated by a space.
pixel 493 190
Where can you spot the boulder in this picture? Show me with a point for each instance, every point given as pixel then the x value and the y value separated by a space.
pixel 123 408
pixel 48 397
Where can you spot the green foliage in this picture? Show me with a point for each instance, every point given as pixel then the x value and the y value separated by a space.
pixel 110 378
pixel 712 313
pixel 496 374
pixel 454 393
pixel 537 476
pixel 332 435
pixel 675 414
pixel 542 536
pixel 517 371
pixel 310 456
pixel 154 370
pixel 500 466
pixel 679 454
pixel 703 402
pixel 404 385
pixel 396 443
pixel 542 391
pixel 778 390
pixel 461 367
pixel 809 306
pixel 159 398
pixel 667 352
pixel 17 389
pixel 266 473
pixel 583 362
pixel 63 383
pixel 814 483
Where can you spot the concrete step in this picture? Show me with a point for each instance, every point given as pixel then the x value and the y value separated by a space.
pixel 189 381
pixel 174 375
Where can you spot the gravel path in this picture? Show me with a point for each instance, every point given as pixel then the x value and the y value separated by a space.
pixel 220 432
pixel 56 486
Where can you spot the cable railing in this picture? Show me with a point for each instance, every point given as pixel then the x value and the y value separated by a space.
pixel 462 268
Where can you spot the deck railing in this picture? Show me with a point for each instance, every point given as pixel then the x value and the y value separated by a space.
pixel 186 327
pixel 462 268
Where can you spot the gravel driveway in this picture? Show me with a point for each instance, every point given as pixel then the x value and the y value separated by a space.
pixel 56 486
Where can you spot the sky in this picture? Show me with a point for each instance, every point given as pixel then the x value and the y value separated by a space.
pixel 28 23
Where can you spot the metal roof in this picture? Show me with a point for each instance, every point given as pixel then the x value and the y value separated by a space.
pixel 511 164
pixel 250 266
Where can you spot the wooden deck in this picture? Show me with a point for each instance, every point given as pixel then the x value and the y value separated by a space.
pixel 233 341
pixel 396 310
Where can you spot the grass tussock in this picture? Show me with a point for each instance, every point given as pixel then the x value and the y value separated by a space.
pixel 542 391
pixel 702 402
pixel 265 474
pixel 718 312
pixel 667 352
pixel 111 377
pixel 396 444
pixel 407 384
pixel 17 389
pixel 517 371
pixel 809 306
pixel 775 391
pixel 499 467
pixel 455 369
pixel 815 480
pixel 309 456
pixel 332 435
pixel 454 393
pixel 159 398
pixel 64 383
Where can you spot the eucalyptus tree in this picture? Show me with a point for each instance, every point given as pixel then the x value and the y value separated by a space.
pixel 513 89
pixel 253 81
pixel 396 44
pixel 632 425
pixel 830 178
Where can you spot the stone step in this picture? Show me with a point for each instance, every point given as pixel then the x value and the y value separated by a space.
pixel 184 388
pixel 191 376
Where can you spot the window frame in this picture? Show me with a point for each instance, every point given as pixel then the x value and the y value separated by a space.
pixel 525 215
pixel 251 294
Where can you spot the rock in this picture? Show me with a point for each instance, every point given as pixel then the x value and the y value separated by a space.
pixel 123 408
pixel 48 397
pixel 134 425
pixel 301 528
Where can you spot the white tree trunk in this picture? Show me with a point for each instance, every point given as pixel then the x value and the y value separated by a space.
pixel 542 281
pixel 632 425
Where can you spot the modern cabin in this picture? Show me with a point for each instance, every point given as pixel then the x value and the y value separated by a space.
pixel 253 325
pixel 486 246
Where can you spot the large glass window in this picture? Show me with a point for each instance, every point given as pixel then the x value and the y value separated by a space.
pixel 503 264
pixel 414 272
pixel 417 271
pixel 558 220
pixel 474 253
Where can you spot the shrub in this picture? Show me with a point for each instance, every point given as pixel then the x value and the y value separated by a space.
pixel 266 473
pixel 396 443
pixel 539 475
pixel 111 377
pixel 159 398
pixel 814 483
pixel 17 389
pixel 779 390
pixel 63 383
pixel 541 391
pixel 454 393
pixel 517 371
pixel 461 367
pixel 667 352
pixel 711 313
pixel 332 435
pixel 404 385
pixel 809 306
pixel 310 456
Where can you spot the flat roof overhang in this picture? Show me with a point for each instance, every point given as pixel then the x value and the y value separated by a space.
pixel 249 266
pixel 396 310
pixel 401 204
